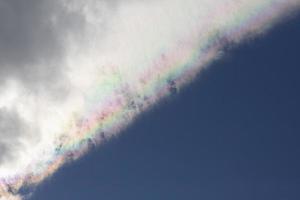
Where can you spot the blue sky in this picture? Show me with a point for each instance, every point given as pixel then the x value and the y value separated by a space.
pixel 232 134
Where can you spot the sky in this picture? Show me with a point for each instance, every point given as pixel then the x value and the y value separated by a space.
pixel 139 100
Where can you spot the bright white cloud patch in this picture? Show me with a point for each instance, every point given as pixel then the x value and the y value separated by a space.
pixel 77 72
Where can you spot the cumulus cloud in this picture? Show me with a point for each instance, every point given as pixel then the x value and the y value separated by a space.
pixel 75 73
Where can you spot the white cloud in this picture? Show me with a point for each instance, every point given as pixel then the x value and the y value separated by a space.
pixel 75 72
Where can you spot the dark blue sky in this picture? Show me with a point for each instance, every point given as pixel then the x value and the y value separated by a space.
pixel 233 134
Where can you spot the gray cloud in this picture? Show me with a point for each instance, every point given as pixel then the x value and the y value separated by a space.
pixel 11 128
pixel 33 37
pixel 32 34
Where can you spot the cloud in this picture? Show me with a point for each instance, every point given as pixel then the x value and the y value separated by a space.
pixel 32 39
pixel 76 73
pixel 11 128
